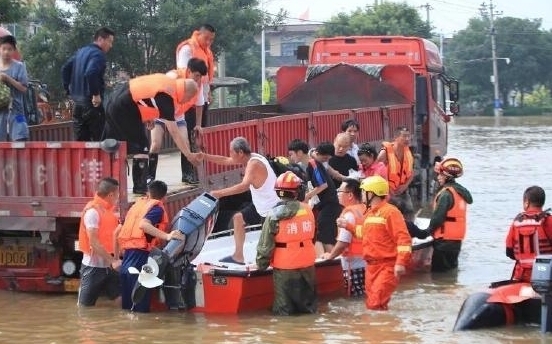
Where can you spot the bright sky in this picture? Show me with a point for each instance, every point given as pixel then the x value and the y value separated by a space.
pixel 446 16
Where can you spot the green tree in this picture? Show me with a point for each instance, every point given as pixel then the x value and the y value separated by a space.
pixel 12 11
pixel 522 41
pixel 540 97
pixel 388 18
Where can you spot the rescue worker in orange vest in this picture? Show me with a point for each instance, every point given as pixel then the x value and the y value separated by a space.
pixel 145 225
pixel 400 170
pixel 349 244
pixel 448 220
pixel 530 234
pixel 196 69
pixel 386 244
pixel 134 105
pixel 97 229
pixel 286 243
pixel 197 46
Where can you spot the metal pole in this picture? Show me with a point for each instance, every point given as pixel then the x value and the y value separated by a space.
pixel 221 74
pixel 497 107
pixel 263 63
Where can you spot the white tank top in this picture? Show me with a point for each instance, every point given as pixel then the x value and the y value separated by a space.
pixel 265 197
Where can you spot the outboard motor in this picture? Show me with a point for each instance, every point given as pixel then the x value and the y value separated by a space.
pixel 541 281
pixel 196 221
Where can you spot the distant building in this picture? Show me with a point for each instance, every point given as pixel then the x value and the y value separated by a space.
pixel 282 42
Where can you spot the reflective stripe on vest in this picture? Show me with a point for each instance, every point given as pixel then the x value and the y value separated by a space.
pixel 454 227
pixel 530 238
pixel 108 221
pixel 398 172
pixel 131 235
pixel 294 247
pixel 357 210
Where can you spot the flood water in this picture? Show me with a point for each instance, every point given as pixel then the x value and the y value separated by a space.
pixel 501 159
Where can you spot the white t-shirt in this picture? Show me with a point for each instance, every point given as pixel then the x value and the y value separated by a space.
pixel 343 235
pixel 353 151
pixel 182 57
pixel 91 220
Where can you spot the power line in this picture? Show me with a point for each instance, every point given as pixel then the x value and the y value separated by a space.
pixel 428 8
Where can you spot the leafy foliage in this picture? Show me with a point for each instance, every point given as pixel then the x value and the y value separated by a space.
pixel 388 18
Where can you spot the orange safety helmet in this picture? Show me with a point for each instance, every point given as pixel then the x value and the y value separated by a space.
pixel 288 181
pixel 450 167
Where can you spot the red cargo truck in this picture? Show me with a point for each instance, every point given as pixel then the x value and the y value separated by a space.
pixel 383 82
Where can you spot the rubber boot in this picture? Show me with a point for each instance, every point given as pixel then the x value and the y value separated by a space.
pixel 152 167
pixel 140 176
pixel 188 174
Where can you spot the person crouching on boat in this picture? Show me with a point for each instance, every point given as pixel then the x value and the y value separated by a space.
pixel 448 220
pixel 145 225
pixel 386 244
pixel 286 243
pixel 530 234
pixel 349 244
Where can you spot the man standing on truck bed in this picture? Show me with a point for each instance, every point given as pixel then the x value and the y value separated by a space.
pixel 135 105
pixel 197 46
pixel 259 178
pixel 400 170
pixel 83 80
pixel 98 226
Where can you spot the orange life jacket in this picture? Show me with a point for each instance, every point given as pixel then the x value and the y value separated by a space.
pixel 131 235
pixel 147 86
pixel 530 238
pixel 358 210
pixel 398 172
pixel 108 222
pixel 454 227
pixel 199 52
pixel 294 247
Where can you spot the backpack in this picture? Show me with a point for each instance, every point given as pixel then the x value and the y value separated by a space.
pixel 5 96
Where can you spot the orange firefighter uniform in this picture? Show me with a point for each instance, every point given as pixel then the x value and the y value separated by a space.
pixel 530 235
pixel 386 243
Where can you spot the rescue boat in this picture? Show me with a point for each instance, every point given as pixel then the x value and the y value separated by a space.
pixel 189 276
pixel 503 303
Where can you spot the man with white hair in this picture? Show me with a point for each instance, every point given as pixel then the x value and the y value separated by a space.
pixel 259 178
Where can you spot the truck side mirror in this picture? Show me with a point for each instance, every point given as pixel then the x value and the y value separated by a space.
pixel 454 91
pixel 302 52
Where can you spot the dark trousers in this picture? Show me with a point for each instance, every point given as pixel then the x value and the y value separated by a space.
pixel 445 255
pixel 88 121
pixel 186 166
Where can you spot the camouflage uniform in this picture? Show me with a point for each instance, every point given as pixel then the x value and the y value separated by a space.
pixel 294 290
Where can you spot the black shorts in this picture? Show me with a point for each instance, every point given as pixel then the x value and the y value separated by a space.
pixel 95 282
pixel 326 228
pixel 123 121
pixel 250 215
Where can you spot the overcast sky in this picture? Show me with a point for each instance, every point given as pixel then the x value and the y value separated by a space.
pixel 446 16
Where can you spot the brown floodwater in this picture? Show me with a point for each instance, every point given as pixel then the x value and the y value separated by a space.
pixel 501 159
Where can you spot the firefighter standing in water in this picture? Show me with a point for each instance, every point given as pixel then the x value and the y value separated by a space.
pixel 134 105
pixel 530 234
pixel 286 243
pixel 386 244
pixel 349 244
pixel 448 220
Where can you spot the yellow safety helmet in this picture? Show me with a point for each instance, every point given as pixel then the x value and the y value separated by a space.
pixel 376 184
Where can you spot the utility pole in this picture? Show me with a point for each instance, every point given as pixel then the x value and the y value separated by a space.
pixel 263 55
pixel 428 8
pixel 497 106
